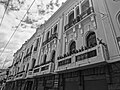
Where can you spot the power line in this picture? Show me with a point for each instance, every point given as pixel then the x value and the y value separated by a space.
pixel 16 29
pixel 4 12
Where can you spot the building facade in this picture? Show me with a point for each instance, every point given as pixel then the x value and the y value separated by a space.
pixel 77 48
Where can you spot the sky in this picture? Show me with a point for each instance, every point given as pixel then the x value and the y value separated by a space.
pixel 39 12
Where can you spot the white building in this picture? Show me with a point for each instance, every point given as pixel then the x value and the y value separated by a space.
pixel 77 48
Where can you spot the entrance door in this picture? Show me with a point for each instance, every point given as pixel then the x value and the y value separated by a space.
pixel 100 84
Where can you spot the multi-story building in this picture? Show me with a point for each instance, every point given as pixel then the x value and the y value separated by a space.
pixel 77 48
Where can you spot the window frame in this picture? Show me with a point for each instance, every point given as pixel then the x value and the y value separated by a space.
pixel 47 35
pixel 53 56
pixel 55 26
pixel 33 63
pixel 71 42
pixel 89 33
pixel 83 3
pixel 44 58
pixel 77 7
pixel 72 11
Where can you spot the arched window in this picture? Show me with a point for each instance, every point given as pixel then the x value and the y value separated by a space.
pixel 91 40
pixel 53 56
pixel 44 58
pixel 47 36
pixel 72 46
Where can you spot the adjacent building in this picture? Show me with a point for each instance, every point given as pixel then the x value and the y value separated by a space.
pixel 77 48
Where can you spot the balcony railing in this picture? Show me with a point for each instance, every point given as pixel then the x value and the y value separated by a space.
pixel 50 39
pixel 83 48
pixel 94 55
pixel 47 68
pixel 36 70
pixel 10 78
pixel 64 62
pixel 29 74
pixel 79 18
pixel 20 75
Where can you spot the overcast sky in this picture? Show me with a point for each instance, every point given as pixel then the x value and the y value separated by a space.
pixel 40 11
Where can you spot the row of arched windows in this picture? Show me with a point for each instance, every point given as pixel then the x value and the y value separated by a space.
pixel 90 42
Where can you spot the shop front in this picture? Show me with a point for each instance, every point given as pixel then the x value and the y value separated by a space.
pixel 71 81
pixel 87 79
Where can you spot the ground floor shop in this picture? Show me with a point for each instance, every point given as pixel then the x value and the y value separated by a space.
pixel 103 77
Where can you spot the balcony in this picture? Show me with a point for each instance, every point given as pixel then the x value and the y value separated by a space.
pixel 30 73
pixel 79 18
pixel 10 78
pixel 47 68
pixel 53 36
pixel 36 70
pixel 20 75
pixel 81 58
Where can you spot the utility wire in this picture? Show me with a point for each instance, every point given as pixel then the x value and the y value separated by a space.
pixel 16 30
pixel 4 12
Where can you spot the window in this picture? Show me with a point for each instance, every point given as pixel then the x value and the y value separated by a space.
pixel 53 56
pixel 27 67
pixel 71 17
pixel 44 58
pixel 91 39
pixel 77 11
pixel 33 63
pixel 72 46
pixel 47 36
pixel 85 5
pixel 23 67
pixel 37 44
pixel 31 48
pixel 27 51
pixel 55 29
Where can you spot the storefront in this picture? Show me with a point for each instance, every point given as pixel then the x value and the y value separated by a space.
pixel 71 81
pixel 95 78
pixel 44 83
pixel 95 83
pixel 87 79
